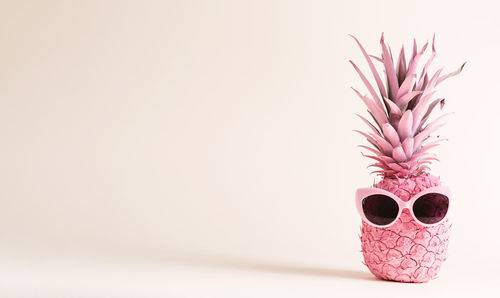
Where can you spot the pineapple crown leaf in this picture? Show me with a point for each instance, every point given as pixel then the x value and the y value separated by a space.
pixel 400 109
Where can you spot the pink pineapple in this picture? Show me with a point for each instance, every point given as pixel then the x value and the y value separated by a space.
pixel 404 234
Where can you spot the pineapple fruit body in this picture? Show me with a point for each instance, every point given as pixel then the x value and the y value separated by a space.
pixel 406 251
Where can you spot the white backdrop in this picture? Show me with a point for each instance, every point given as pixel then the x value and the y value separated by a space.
pixel 221 131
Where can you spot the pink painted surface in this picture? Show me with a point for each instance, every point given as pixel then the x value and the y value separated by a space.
pixel 405 251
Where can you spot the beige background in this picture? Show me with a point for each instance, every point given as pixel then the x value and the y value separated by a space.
pixel 220 132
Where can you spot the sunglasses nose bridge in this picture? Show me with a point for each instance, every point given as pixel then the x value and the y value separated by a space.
pixel 405 207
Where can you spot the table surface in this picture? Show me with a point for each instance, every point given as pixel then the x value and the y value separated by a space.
pixel 223 277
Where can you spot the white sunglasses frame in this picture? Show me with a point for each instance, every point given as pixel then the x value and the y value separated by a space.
pixel 362 193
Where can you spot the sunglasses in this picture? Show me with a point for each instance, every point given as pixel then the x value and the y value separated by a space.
pixel 381 208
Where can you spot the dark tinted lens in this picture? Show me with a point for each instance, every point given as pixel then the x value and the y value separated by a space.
pixel 431 208
pixel 380 209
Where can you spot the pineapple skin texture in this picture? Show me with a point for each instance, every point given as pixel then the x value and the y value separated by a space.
pixel 405 251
